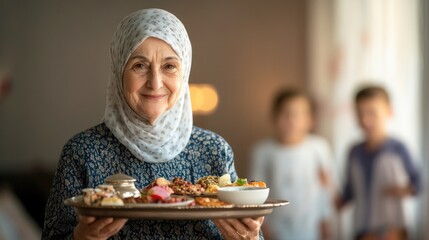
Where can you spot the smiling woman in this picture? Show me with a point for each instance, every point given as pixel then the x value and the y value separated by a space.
pixel 152 79
pixel 147 132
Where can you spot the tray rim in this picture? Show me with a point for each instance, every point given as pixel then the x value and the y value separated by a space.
pixel 176 212
pixel 269 203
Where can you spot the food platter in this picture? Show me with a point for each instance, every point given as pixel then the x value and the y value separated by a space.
pixel 177 211
pixel 164 199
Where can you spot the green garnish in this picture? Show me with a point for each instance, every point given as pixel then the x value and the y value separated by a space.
pixel 241 181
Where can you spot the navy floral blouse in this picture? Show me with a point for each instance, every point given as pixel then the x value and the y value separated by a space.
pixel 93 155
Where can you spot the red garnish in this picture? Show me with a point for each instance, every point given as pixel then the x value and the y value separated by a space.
pixel 158 193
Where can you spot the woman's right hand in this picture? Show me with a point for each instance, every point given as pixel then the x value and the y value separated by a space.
pixel 91 228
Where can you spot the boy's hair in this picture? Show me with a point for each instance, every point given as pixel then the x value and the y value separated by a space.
pixel 371 92
pixel 287 95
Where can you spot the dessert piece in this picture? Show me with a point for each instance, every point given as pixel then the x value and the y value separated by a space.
pixel 89 196
pixel 210 202
pixel 225 180
pixel 208 180
pixel 182 187
pixel 212 183
pixel 159 193
pixel 162 182
pixel 209 183
pixel 112 201
pixel 211 189
pixel 103 195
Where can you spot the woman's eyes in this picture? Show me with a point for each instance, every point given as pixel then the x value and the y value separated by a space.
pixel 143 68
pixel 171 68
pixel 140 67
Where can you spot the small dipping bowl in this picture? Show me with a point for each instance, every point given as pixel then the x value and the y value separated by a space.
pixel 242 195
pixel 124 185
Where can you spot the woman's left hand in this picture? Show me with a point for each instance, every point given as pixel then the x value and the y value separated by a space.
pixel 239 229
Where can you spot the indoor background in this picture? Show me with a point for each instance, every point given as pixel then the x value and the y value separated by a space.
pixel 59 55
pixel 56 55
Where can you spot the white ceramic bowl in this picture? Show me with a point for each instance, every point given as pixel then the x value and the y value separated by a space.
pixel 243 195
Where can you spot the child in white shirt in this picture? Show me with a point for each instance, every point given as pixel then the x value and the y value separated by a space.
pixel 294 164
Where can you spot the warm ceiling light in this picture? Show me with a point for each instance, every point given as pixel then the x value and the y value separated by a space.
pixel 204 98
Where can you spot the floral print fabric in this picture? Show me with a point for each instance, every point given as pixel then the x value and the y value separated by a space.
pixel 93 155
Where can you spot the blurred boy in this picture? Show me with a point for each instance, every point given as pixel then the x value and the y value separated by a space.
pixel 380 172
pixel 294 165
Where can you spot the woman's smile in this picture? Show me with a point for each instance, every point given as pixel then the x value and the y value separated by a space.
pixel 154 97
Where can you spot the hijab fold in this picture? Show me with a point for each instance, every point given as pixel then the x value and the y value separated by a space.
pixel 170 134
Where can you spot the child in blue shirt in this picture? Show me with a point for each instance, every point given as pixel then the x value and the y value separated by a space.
pixel 380 172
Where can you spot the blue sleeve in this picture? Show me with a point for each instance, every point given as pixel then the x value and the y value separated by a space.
pixel 348 187
pixel 60 220
pixel 222 151
pixel 410 168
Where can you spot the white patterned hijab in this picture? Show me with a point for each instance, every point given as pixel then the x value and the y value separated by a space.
pixel 170 134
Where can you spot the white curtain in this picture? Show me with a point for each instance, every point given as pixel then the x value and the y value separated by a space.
pixel 367 41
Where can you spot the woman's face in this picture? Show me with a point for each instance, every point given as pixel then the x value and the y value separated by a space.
pixel 152 79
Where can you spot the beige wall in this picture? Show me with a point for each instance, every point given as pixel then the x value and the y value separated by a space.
pixel 59 54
